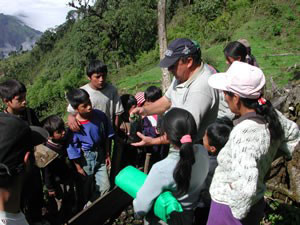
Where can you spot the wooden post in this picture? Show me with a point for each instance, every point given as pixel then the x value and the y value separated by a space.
pixel 147 162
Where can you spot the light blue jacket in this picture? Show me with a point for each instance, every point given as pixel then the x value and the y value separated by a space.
pixel 160 179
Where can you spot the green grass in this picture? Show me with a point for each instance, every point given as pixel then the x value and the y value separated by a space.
pixel 139 82
pixel 266 47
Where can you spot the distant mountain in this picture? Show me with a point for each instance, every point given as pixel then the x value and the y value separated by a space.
pixel 15 35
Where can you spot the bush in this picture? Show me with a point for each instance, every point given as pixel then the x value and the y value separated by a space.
pixel 210 9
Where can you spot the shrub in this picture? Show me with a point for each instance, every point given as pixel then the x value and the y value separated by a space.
pixel 210 9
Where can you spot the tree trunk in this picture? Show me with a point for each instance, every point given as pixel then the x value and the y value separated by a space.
pixel 162 36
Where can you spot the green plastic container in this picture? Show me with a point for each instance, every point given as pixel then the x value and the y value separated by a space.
pixel 165 204
pixel 131 180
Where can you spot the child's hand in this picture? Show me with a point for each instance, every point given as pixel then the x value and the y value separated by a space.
pixel 51 193
pixel 108 161
pixel 81 171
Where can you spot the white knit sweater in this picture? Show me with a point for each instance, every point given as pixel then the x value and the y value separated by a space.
pixel 244 161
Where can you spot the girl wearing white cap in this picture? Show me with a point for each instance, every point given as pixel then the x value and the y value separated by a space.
pixel 237 188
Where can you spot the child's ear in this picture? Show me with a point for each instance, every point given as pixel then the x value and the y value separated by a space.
pixel 212 149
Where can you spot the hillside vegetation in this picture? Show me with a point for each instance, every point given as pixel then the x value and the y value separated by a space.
pixel 124 35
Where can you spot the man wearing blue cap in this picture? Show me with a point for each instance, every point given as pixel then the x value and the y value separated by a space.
pixel 189 89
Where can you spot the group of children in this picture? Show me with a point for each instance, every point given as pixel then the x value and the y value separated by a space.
pixel 79 156
pixel 73 161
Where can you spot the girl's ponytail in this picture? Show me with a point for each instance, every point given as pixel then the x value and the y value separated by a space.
pixel 180 127
pixel 264 108
pixel 183 169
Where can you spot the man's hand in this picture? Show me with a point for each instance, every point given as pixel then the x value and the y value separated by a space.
pixel 139 110
pixel 108 161
pixel 73 123
pixel 146 141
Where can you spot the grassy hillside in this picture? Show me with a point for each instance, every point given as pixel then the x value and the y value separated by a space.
pixel 273 31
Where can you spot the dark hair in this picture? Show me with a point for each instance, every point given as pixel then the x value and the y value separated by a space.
pixel 268 112
pixel 218 132
pixel 53 123
pixel 96 66
pixel 235 50
pixel 128 101
pixel 152 94
pixel 195 56
pixel 177 123
pixel 11 88
pixel 77 96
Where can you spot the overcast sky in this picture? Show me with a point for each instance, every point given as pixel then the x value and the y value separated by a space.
pixel 38 14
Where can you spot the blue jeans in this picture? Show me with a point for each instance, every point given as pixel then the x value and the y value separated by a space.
pixel 94 165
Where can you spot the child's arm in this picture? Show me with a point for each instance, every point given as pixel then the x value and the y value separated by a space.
pixel 78 167
pixel 107 150
pixel 49 180
pixel 74 152
pixel 109 133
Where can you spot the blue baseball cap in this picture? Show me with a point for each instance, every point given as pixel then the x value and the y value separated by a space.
pixel 178 48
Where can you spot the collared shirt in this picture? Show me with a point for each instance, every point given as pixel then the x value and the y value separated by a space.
pixel 252 116
pixel 197 97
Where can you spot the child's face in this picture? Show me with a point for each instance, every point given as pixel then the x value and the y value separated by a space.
pixel 84 108
pixel 98 80
pixel 206 144
pixel 18 103
pixel 58 135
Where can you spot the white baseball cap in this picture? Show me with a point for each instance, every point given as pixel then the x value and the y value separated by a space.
pixel 241 78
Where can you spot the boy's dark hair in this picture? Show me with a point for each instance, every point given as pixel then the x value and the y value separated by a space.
pixel 11 88
pixel 96 66
pixel 53 123
pixel 152 94
pixel 77 96
pixel 218 132
pixel 128 101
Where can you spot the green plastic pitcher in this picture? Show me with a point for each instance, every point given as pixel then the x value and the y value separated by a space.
pixel 131 180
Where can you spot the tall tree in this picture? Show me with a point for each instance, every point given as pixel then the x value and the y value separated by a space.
pixel 162 36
